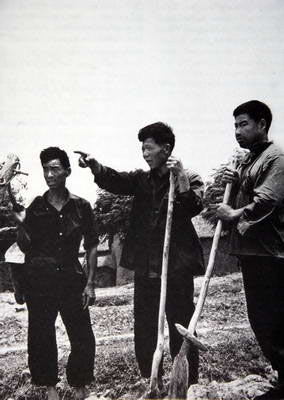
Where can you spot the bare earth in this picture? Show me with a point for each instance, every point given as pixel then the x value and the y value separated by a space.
pixel 223 327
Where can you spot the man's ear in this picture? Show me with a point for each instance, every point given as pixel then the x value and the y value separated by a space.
pixel 262 125
pixel 68 171
pixel 167 148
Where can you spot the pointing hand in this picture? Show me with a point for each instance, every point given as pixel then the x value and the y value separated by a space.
pixel 87 160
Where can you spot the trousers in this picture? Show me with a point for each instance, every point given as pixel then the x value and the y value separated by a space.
pixel 179 309
pixel 264 289
pixel 42 347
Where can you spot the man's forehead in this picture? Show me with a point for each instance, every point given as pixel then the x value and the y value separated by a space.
pixel 242 117
pixel 53 163
pixel 149 140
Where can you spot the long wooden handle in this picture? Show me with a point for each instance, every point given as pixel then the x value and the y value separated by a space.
pixel 163 295
pixel 210 266
pixel 166 251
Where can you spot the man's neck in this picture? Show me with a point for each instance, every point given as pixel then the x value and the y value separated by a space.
pixel 259 146
pixel 162 170
pixel 57 196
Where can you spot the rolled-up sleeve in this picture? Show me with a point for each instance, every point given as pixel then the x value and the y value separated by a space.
pixel 24 233
pixel 268 194
pixel 90 231
pixel 192 200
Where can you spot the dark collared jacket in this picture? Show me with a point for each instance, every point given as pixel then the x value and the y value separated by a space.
pixel 143 246
pixel 261 192
pixel 51 254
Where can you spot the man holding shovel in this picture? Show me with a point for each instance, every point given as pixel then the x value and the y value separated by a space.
pixel 143 246
pixel 257 237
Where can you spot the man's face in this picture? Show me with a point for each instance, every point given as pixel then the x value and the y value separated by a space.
pixel 248 131
pixel 54 174
pixel 154 154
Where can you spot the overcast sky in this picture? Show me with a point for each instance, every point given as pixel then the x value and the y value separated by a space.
pixel 89 74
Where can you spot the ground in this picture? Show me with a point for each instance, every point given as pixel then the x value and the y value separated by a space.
pixel 223 327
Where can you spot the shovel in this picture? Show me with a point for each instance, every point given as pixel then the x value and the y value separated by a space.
pixel 154 389
pixel 179 376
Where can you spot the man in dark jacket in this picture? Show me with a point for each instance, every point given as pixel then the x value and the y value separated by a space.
pixel 50 233
pixel 143 247
pixel 257 237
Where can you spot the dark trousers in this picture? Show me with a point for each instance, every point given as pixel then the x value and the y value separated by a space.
pixel 179 309
pixel 42 348
pixel 264 288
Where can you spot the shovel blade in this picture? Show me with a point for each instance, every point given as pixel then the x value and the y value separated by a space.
pixel 187 335
pixel 179 378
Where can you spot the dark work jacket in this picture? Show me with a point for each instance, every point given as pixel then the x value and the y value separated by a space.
pixel 51 254
pixel 143 246
pixel 261 192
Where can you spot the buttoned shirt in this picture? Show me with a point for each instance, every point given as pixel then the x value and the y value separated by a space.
pixel 261 192
pixel 143 245
pixel 51 254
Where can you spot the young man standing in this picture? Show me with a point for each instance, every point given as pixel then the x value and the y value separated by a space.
pixel 50 233
pixel 143 246
pixel 257 237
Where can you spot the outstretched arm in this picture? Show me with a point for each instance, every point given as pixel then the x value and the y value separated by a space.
pixel 123 183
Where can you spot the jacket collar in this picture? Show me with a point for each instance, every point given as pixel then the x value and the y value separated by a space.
pixel 69 196
pixel 255 151
pixel 153 173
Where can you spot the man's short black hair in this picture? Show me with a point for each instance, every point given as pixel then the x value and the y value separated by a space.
pixel 53 153
pixel 160 132
pixel 256 110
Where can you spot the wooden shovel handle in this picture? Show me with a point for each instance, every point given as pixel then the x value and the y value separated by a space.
pixel 163 294
pixel 210 266
pixel 166 251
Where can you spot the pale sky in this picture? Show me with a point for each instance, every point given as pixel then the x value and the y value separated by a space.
pixel 89 74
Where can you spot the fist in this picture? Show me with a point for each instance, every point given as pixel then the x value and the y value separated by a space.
pixel 230 176
pixel 175 165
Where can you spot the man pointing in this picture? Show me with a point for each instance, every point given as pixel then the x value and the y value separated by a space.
pixel 143 246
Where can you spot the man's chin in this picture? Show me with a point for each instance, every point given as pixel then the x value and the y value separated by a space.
pixel 243 145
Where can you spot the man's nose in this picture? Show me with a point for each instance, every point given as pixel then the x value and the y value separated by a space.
pixel 238 130
pixel 49 173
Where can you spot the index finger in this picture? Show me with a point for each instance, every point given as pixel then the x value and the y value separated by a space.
pixel 87 301
pixel 82 153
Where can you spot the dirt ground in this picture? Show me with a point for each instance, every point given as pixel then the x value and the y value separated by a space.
pixel 223 327
pixel 112 316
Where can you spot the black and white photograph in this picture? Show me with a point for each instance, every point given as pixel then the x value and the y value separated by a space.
pixel 141 200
